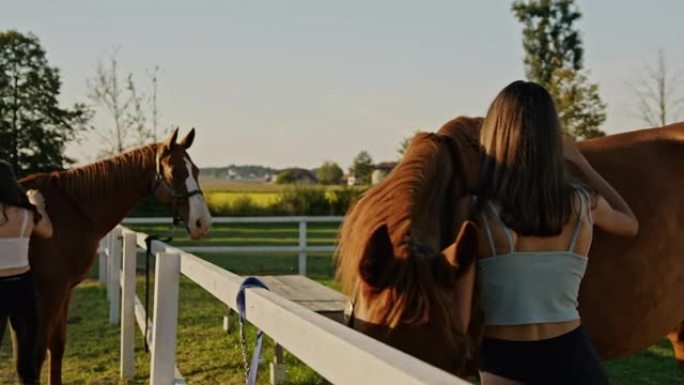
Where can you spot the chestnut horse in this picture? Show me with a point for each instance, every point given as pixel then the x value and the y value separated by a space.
pixel 84 204
pixel 631 295
pixel 397 258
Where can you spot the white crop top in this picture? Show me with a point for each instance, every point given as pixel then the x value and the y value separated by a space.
pixel 14 250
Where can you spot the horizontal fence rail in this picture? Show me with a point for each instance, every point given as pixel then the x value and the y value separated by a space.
pixel 338 353
pixel 302 249
pixel 224 220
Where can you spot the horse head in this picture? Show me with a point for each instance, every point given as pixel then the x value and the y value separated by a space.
pixel 176 184
pixel 402 250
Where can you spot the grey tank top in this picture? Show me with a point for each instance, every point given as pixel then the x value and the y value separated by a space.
pixel 528 287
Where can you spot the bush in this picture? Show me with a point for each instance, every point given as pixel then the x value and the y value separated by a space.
pixel 341 200
pixel 300 200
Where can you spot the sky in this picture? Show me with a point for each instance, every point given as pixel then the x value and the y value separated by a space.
pixel 295 83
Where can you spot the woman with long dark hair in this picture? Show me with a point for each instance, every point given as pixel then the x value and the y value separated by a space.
pixel 21 215
pixel 536 226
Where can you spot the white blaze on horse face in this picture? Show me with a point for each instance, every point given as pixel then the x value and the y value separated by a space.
pixel 199 219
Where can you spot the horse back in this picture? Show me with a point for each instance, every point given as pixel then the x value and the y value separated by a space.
pixel 631 294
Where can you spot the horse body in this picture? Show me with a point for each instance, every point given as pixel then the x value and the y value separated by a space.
pixel 631 295
pixel 84 204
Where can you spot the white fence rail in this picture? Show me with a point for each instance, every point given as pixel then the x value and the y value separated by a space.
pixel 302 248
pixel 338 353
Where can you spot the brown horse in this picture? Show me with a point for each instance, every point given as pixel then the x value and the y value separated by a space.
pixel 84 204
pixel 631 295
pixel 397 259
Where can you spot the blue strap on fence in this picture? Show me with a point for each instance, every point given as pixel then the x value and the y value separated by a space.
pixel 240 301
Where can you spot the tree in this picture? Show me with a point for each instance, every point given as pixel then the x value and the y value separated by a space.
pixel 658 94
pixel 121 100
pixel 363 167
pixel 329 173
pixel 404 144
pixel 153 102
pixel 554 58
pixel 34 129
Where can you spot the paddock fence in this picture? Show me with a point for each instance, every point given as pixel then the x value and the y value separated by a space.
pixel 338 353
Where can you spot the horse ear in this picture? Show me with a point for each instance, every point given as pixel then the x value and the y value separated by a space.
pixel 377 258
pixel 187 141
pixel 463 251
pixel 172 138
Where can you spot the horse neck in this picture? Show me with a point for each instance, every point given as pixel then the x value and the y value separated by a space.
pixel 106 191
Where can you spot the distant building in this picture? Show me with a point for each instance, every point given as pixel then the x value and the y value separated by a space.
pixel 349 179
pixel 381 170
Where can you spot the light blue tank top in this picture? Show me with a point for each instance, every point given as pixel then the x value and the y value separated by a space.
pixel 528 287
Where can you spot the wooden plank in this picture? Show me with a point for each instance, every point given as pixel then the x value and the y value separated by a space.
pixel 140 318
pixel 165 319
pixel 115 277
pixel 127 368
pixel 306 292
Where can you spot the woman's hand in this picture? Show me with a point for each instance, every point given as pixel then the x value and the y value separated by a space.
pixel 36 198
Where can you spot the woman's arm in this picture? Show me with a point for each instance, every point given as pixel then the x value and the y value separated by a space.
pixel 611 212
pixel 43 228
pixel 465 285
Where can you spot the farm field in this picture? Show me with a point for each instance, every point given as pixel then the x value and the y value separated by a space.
pixel 208 355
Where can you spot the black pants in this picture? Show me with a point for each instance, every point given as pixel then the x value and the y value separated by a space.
pixel 18 303
pixel 566 359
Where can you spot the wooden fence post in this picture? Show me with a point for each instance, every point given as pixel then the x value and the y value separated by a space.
pixel 108 268
pixel 130 249
pixel 102 260
pixel 302 247
pixel 165 320
pixel 115 277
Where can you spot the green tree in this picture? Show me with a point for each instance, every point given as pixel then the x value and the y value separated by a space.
pixel 33 127
pixel 363 167
pixel 329 173
pixel 554 58
pixel 285 177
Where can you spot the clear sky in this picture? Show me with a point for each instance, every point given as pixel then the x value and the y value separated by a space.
pixel 294 83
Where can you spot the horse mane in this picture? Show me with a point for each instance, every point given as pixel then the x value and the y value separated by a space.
pixel 398 202
pixel 112 174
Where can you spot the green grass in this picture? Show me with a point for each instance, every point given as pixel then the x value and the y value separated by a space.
pixel 208 355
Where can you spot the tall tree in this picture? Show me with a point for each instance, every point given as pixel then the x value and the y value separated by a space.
pixel 329 173
pixel 118 95
pixel 363 167
pixel 658 90
pixel 554 58
pixel 34 129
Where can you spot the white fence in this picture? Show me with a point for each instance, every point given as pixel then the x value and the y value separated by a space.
pixel 338 353
pixel 302 248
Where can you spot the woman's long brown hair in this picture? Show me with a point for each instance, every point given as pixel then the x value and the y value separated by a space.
pixel 522 166
pixel 11 193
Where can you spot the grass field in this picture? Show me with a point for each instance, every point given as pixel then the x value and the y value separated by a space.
pixel 207 355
